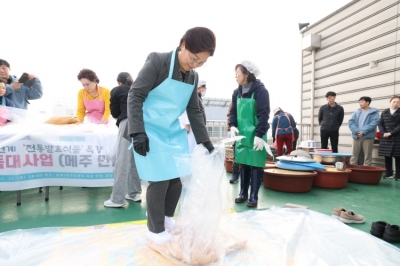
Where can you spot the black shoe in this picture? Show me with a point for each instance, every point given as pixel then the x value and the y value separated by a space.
pixel 392 234
pixel 388 176
pixel 378 228
pixel 235 178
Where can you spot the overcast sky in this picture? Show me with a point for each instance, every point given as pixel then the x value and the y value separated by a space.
pixel 56 39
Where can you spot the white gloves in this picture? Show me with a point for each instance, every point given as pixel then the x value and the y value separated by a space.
pixel 234 132
pixel 258 143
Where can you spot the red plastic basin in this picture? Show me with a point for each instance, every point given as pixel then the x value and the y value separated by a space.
pixel 228 165
pixel 288 181
pixel 361 174
pixel 331 178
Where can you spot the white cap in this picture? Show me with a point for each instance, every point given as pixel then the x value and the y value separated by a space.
pixel 276 110
pixel 201 83
pixel 251 67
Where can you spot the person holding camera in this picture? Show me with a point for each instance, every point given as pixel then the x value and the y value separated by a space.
pixel 20 91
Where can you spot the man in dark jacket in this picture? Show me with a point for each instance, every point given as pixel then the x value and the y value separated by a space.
pixel 330 118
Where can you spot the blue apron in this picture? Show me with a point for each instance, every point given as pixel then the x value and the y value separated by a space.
pixel 161 111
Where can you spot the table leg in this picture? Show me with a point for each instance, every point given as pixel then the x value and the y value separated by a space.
pixel 18 197
pixel 47 194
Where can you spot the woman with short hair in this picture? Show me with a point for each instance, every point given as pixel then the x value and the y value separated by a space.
pixel 93 99
pixel 249 115
pixel 166 87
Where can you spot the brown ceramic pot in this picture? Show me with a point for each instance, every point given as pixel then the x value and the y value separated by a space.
pixel 288 181
pixel 361 174
pixel 331 178
pixel 228 165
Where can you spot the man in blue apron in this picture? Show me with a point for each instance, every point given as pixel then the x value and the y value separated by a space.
pixel 249 116
pixel 165 87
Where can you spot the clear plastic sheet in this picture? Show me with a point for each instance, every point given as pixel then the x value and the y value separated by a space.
pixel 202 234
pixel 277 236
pixel 206 230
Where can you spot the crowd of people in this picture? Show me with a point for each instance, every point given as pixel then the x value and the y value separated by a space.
pixel 158 112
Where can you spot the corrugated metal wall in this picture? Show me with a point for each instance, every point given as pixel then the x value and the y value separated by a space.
pixel 352 37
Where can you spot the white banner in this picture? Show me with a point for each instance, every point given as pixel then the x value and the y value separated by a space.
pixel 74 160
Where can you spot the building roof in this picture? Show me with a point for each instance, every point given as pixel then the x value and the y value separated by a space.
pixel 216 102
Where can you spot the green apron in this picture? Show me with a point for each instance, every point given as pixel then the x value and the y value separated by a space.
pixel 247 122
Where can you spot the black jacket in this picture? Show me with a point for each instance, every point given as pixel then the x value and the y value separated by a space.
pixel 261 96
pixel 389 124
pixel 202 109
pixel 118 102
pixel 330 118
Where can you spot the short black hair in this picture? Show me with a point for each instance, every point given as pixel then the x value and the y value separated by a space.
pixel 199 39
pixel 330 93
pixel 4 62
pixel 365 98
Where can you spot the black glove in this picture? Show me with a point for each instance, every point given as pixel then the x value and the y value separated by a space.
pixel 141 143
pixel 208 145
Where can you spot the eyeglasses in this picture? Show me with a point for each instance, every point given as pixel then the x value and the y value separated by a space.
pixel 195 60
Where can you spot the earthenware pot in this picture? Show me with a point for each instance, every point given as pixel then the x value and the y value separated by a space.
pixel 331 178
pixel 228 165
pixel 362 174
pixel 288 181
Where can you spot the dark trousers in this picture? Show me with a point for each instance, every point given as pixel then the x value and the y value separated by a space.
pixel 333 136
pixel 389 166
pixel 162 198
pixel 235 166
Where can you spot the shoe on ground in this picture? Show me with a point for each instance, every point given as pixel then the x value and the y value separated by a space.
pixel 234 178
pixel 337 211
pixel 350 217
pixel 109 203
pixel 136 198
pixel 392 234
pixel 160 238
pixel 169 223
pixel 388 176
pixel 378 228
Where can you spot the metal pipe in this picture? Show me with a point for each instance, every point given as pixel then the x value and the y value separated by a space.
pixel 312 92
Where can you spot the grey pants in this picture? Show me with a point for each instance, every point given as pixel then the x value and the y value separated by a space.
pixel 162 198
pixel 126 178
pixel 367 145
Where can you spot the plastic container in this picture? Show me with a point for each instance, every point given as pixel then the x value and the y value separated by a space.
pixel 228 165
pixel 331 158
pixel 269 165
pixel 331 178
pixel 322 150
pixel 362 174
pixel 288 181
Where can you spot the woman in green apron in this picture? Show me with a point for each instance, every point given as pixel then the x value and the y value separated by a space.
pixel 166 87
pixel 249 117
